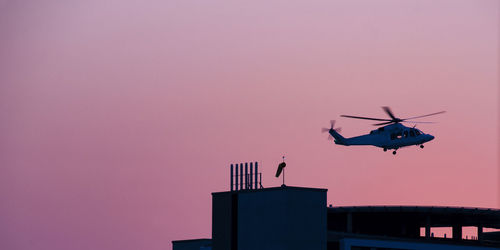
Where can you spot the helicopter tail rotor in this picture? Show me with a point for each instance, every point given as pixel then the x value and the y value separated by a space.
pixel 331 130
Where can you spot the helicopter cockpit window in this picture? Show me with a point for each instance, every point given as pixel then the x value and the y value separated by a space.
pixel 405 134
pixel 412 133
pixel 417 132
pixel 396 135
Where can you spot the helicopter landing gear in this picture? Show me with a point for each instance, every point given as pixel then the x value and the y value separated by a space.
pixel 394 152
pixel 422 146
pixel 385 149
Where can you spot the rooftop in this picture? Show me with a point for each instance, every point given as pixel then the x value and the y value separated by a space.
pixel 434 216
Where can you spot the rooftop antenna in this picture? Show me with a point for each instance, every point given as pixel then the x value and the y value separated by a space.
pixel 281 168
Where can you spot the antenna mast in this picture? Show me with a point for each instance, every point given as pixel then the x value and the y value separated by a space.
pixel 281 168
pixel 283 171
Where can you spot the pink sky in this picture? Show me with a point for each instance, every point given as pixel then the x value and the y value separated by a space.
pixel 119 118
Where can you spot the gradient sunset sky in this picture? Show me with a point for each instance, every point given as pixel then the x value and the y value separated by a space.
pixel 119 118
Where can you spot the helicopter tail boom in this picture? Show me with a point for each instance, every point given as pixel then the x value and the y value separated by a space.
pixel 339 139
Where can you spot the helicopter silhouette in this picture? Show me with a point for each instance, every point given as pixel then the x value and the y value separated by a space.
pixel 393 135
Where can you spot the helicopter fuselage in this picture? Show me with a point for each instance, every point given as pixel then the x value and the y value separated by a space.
pixel 392 136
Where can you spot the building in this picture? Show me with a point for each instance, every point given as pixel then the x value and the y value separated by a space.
pixel 399 227
pixel 198 244
pixel 292 218
pixel 270 218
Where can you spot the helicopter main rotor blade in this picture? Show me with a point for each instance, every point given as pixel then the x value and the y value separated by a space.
pixel 425 115
pixel 365 118
pixel 417 122
pixel 389 112
pixel 383 123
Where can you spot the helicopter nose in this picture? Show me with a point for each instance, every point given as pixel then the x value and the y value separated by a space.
pixel 431 137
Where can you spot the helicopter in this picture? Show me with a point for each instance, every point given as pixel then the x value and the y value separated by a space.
pixel 393 135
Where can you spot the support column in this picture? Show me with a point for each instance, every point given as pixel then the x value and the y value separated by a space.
pixel 349 222
pixel 428 227
pixel 232 176
pixel 480 233
pixel 246 175
pixel 250 177
pixel 241 176
pixel 236 177
pixel 457 232
pixel 256 174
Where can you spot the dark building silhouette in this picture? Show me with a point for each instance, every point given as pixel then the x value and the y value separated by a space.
pixel 270 218
pixel 198 244
pixel 298 218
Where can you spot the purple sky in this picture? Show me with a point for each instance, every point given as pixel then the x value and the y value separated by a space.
pixel 119 118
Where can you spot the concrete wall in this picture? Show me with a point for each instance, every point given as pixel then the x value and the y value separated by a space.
pixel 223 220
pixel 349 243
pixel 282 218
pixel 272 218
pixel 197 244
